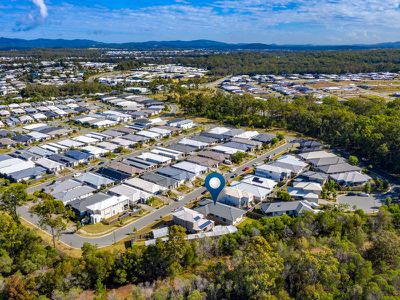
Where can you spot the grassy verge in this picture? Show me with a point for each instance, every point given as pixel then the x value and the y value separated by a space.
pixel 101 228
pixel 183 189
pixel 48 240
pixel 156 202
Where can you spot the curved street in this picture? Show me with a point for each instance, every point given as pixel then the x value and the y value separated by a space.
pixel 75 240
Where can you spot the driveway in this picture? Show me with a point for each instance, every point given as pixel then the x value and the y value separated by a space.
pixel 368 204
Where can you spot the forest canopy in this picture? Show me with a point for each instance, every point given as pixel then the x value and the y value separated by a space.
pixel 331 62
pixel 369 128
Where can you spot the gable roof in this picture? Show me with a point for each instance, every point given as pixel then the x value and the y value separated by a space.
pixel 339 168
pixel 279 207
pixel 220 210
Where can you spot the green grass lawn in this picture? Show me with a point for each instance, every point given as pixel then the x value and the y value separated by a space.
pixel 101 228
pixel 155 202
pixel 183 189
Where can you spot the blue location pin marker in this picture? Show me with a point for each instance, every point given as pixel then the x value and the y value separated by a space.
pixel 215 183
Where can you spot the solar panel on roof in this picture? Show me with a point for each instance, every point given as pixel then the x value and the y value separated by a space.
pixel 205 224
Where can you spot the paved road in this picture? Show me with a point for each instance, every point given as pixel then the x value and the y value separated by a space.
pixel 214 84
pixel 76 241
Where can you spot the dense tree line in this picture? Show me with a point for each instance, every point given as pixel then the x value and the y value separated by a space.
pixel 331 255
pixel 367 127
pixel 335 62
pixel 69 89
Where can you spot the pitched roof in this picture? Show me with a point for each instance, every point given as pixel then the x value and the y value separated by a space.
pixel 351 177
pixel 276 207
pixel 339 168
pixel 220 210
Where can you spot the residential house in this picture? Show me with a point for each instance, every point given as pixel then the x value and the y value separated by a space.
pixel 351 178
pixel 94 180
pixel 291 208
pixel 221 212
pixel 192 220
pixel 233 196
pixel 273 172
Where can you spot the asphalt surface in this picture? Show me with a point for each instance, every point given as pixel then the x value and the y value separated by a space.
pixel 368 204
pixel 75 240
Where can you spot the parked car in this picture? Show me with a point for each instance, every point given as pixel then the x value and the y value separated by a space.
pixel 77 174
pixel 246 169
pixel 363 195
pixel 227 162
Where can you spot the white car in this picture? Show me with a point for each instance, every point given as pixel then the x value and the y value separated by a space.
pixel 77 174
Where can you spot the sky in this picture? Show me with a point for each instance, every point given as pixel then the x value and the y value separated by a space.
pixel 323 22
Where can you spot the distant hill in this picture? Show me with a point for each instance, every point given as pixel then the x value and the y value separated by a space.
pixel 9 43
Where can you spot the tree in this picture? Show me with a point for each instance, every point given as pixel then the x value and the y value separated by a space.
pixel 353 160
pixel 257 270
pixel 17 290
pixel 238 157
pixel 284 196
pixel 51 213
pixel 14 196
pixel 367 188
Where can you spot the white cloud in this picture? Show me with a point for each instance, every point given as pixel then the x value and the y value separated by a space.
pixel 42 8
pixel 268 21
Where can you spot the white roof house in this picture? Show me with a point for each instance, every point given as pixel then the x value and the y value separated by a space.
pixel 60 147
pixel 290 162
pixel 49 164
pixel 258 192
pixel 9 162
pixel 167 152
pixel 94 136
pixel 50 148
pixel 135 195
pixel 104 123
pixel 316 154
pixel 308 186
pixel 38 135
pixel 145 185
pixel 107 208
pixel 248 135
pixel 95 151
pixel 94 180
pixel 192 220
pixel 190 167
pixel 18 166
pixel 162 131
pixel 225 150
pixel 293 208
pixel 273 172
pixel 351 178
pixel 70 143
pixel 149 134
pixel 85 140
pixel 260 181
pixel 219 130
pixel 107 146
pixel 122 142
pixel 156 158
pixel 39 116
pixel 234 196
pixel 302 194
pixel 194 143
